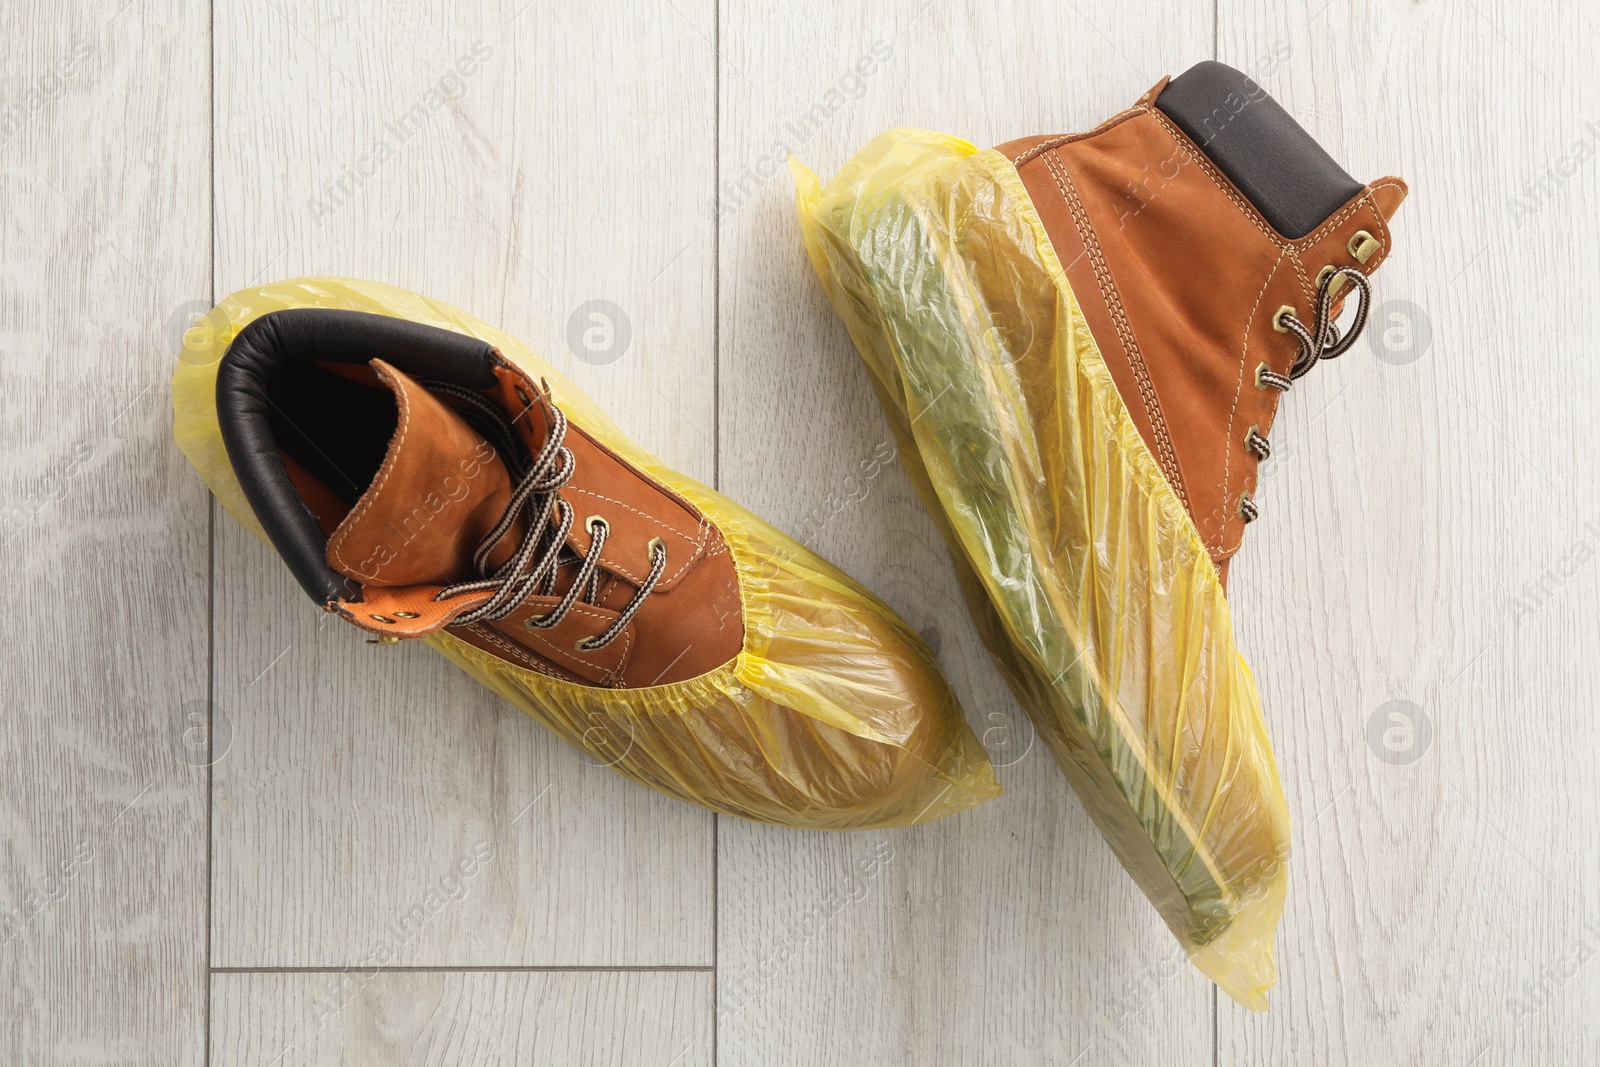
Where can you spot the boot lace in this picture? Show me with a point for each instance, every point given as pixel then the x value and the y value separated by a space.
pixel 1319 341
pixel 538 559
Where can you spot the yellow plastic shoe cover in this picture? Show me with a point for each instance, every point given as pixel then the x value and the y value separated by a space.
pixel 834 716
pixel 1082 569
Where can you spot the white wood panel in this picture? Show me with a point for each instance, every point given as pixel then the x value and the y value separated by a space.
pixel 464 1019
pixel 1007 935
pixel 1443 897
pixel 563 163
pixel 103 119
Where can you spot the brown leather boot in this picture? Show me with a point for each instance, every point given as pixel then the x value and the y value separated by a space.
pixel 1080 342
pixel 1210 243
pixel 594 573
pixel 420 483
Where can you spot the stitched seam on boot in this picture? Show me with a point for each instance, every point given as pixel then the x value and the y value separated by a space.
pixel 1056 142
pixel 404 403
pixel 1371 266
pixel 697 543
pixel 419 627
pixel 1167 456
pixel 1238 391
pixel 1227 188
pixel 1382 223
pixel 1294 250
pixel 556 654
pixel 1354 208
pixel 525 659
pixel 704 524
pixel 504 642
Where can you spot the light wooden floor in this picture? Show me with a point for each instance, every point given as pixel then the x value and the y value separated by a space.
pixel 1429 529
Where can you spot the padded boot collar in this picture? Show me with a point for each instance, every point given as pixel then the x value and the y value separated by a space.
pixel 1285 173
pixel 262 351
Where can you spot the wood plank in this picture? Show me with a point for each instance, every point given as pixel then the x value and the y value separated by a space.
pixel 1425 539
pixel 648 1018
pixel 103 535
pixel 1008 934
pixel 558 167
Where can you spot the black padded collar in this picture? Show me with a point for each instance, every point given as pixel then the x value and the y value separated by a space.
pixel 1288 177
pixel 281 338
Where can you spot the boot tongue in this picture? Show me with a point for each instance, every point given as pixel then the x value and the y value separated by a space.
pixel 441 488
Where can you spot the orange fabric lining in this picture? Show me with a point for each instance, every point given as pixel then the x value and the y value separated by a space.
pixel 323 502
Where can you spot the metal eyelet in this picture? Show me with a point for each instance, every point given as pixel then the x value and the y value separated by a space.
pixel 596 520
pixel 1257 445
pixel 523 397
pixel 650 549
pixel 407 615
pixel 382 618
pixel 1277 318
pixel 1260 367
pixel 582 645
pixel 1338 283
pixel 1247 507
pixel 1363 246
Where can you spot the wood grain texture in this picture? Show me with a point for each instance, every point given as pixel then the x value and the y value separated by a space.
pixel 1426 537
pixel 102 537
pixel 470 1019
pixel 561 163
pixel 1008 935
